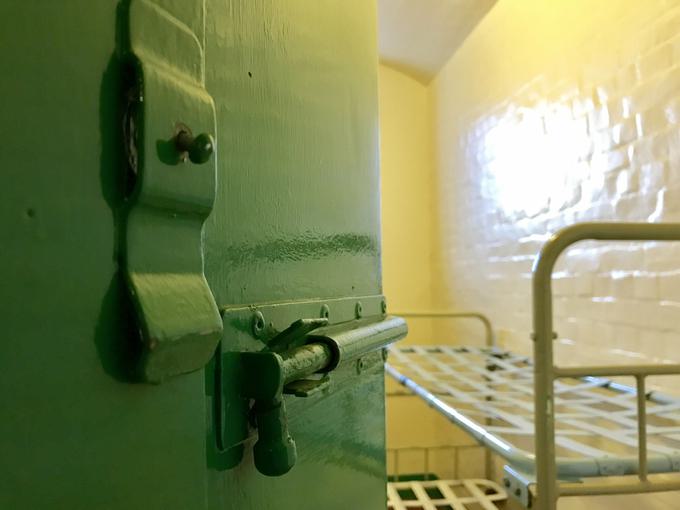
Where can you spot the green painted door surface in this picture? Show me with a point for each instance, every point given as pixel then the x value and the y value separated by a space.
pixel 294 224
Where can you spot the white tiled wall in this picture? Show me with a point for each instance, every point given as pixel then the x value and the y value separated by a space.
pixel 553 113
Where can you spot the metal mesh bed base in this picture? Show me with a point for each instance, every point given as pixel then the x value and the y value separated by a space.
pixel 489 393
pixel 444 495
pixel 584 425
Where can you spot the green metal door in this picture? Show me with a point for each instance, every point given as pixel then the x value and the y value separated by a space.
pixel 137 273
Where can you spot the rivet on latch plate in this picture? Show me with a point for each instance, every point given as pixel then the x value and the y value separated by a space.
pixel 258 324
pixel 325 312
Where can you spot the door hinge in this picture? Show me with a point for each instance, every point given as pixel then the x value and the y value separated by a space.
pixel 173 193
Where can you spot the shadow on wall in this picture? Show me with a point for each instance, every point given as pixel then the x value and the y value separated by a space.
pixel 117 338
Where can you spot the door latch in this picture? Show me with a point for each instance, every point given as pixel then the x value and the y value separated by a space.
pixel 298 361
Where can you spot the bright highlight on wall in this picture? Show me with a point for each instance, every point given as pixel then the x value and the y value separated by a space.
pixel 531 169
pixel 567 113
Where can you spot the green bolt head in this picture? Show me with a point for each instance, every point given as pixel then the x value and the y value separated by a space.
pixel 201 148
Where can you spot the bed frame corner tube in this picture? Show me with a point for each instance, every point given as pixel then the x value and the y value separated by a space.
pixel 543 336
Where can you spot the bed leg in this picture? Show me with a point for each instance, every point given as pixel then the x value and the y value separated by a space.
pixel 544 379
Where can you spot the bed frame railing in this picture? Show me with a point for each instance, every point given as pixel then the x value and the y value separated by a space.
pixel 543 465
pixel 489 335
pixel 545 372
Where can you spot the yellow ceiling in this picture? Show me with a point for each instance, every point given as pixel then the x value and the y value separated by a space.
pixel 418 36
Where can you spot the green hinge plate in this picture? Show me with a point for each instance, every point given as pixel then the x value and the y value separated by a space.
pixel 178 317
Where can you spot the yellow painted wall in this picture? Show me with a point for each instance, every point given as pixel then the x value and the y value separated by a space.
pixel 551 112
pixel 408 224
pixel 407 193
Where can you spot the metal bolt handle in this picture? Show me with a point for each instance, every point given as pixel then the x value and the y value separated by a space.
pixel 199 148
pixel 275 452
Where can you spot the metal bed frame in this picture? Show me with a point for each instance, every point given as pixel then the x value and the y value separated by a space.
pixel 436 494
pixel 525 396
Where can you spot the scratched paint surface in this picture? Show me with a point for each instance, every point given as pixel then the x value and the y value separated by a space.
pixel 296 217
pixel 295 89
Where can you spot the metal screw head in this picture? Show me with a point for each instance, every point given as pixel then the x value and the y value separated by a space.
pixel 325 312
pixel 506 482
pixel 360 365
pixel 358 310
pixel 258 324
pixel 518 492
pixel 383 306
pixel 198 148
pixel 201 148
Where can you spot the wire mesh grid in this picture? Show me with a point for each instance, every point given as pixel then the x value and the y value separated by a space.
pixel 444 495
pixel 595 418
